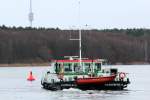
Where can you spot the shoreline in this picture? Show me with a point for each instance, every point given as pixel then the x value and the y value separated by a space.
pixel 48 64
pixel 25 65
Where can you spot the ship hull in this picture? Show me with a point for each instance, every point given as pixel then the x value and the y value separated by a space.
pixel 111 85
pixel 95 80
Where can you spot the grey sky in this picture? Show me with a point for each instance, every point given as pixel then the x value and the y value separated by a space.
pixel 99 14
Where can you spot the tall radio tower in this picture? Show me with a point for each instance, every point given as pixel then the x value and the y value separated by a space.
pixel 30 14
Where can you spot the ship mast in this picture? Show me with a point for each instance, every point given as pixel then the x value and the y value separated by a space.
pixel 79 39
pixel 80 46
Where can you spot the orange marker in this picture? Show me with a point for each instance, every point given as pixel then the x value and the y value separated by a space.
pixel 30 78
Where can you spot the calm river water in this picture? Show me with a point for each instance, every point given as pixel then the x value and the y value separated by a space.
pixel 14 86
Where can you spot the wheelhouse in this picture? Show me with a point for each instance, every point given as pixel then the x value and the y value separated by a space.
pixel 73 66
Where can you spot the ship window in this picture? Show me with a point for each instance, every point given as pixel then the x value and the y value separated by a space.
pixel 98 65
pixel 104 62
pixel 113 71
pixel 76 67
pixel 56 67
pixel 67 66
pixel 87 64
pixel 87 67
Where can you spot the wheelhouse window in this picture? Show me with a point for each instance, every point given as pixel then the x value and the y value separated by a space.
pixel 105 62
pixel 87 67
pixel 98 66
pixel 68 67
pixel 76 67
pixel 57 67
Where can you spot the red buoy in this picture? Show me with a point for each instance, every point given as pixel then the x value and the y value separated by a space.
pixel 30 78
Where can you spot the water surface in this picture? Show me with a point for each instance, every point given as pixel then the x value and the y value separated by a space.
pixel 14 86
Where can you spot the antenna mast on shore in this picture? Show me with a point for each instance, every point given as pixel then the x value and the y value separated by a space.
pixel 30 14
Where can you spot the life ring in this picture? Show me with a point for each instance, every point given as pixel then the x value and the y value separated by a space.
pixel 122 75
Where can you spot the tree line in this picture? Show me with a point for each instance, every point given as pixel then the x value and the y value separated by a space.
pixel 29 45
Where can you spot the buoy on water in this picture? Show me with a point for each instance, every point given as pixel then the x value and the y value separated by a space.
pixel 30 77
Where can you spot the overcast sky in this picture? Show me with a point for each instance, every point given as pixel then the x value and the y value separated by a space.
pixel 99 14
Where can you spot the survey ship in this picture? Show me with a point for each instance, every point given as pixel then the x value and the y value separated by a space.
pixel 85 74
